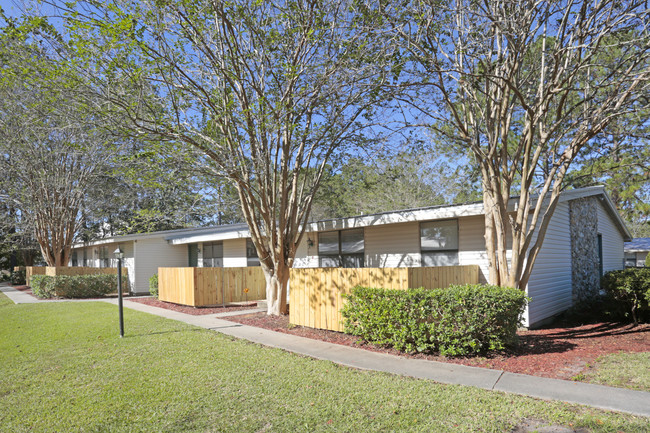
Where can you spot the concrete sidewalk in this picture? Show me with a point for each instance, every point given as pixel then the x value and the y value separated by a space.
pixel 604 397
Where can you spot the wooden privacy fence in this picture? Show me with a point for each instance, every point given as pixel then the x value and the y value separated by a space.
pixel 316 293
pixel 33 270
pixel 202 287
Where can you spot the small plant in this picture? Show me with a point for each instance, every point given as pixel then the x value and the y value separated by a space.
pixel 153 285
pixel 629 289
pixel 647 261
pixel 458 320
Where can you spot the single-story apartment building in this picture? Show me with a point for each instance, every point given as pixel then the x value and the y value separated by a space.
pixel 636 252
pixel 584 240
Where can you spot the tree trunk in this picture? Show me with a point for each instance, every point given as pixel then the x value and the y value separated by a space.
pixel 276 288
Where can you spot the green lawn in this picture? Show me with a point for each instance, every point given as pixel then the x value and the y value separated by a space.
pixel 63 368
pixel 625 370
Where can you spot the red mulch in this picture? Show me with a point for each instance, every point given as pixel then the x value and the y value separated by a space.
pixel 195 311
pixel 559 353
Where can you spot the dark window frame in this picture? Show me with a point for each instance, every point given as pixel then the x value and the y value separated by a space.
pixel 211 260
pixel 252 259
pixel 104 257
pixel 425 250
pixel 342 259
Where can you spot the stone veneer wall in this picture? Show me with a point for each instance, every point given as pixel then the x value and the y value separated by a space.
pixel 583 215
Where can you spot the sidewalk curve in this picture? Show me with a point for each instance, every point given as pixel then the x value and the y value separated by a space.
pixel 603 397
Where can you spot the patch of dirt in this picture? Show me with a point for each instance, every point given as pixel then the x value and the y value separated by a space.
pixel 560 352
pixel 195 311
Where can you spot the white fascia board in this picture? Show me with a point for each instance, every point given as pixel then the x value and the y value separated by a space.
pixel 113 240
pixel 589 191
pixel 613 212
pixel 210 237
pixel 398 217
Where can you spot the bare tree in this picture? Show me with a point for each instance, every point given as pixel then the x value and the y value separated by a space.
pixel 523 86
pixel 269 91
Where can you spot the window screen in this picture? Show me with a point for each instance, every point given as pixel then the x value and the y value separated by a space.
pixel 439 243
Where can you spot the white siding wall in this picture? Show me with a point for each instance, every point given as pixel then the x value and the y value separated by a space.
pixel 612 241
pixel 471 244
pixel 392 245
pixel 307 257
pixel 234 253
pixel 550 286
pixel 129 259
pixel 128 262
pixel 150 254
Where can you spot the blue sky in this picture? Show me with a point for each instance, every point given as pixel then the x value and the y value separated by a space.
pixel 10 7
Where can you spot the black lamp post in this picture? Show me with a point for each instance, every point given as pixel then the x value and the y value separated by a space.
pixel 119 255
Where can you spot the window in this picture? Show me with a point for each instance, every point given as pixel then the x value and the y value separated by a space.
pixel 85 259
pixel 600 254
pixel 104 261
pixel 213 255
pixel 439 243
pixel 344 248
pixel 73 259
pixel 630 260
pixel 251 254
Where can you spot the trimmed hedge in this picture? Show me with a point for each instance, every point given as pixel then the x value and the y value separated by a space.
pixel 630 291
pixel 153 285
pixel 459 320
pixel 75 286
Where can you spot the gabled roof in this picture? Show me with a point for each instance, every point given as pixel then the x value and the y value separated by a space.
pixel 637 245
pixel 238 231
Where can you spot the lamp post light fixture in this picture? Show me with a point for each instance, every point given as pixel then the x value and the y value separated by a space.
pixel 119 255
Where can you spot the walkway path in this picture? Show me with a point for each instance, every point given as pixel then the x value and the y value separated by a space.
pixel 604 397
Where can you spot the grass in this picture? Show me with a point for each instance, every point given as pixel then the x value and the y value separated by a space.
pixel 64 368
pixel 625 370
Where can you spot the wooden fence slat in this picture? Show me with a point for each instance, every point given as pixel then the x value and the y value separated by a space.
pixel 200 287
pixel 317 293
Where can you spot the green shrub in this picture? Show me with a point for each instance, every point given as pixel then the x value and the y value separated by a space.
pixel 153 285
pixel 647 261
pixel 459 320
pixel 18 277
pixel 75 286
pixel 42 286
pixel 629 289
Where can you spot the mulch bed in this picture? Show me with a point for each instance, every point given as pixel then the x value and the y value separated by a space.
pixel 559 353
pixel 195 311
